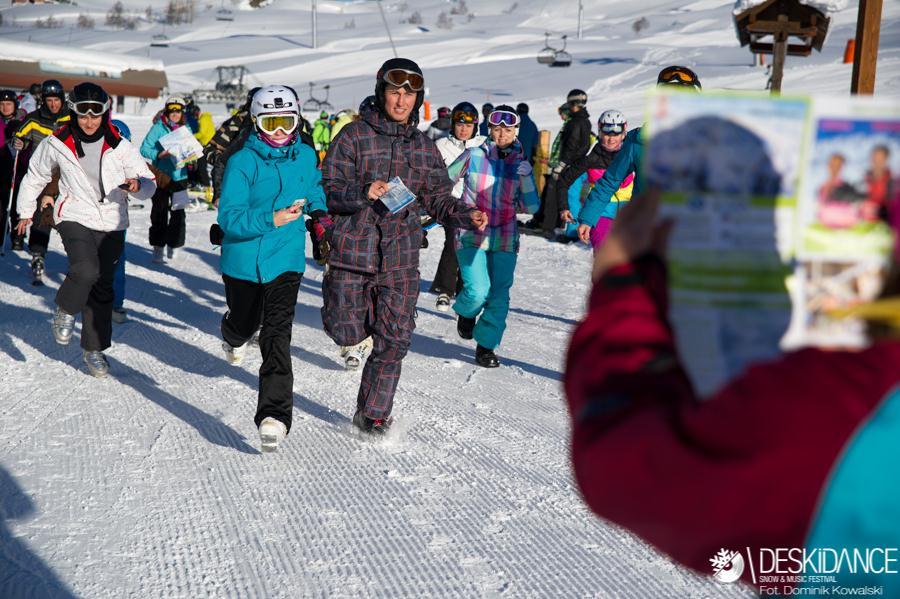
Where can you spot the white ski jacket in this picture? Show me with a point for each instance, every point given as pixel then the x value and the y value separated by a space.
pixel 450 149
pixel 78 201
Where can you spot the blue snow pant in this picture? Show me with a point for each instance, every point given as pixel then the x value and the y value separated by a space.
pixel 487 278
pixel 575 206
pixel 119 281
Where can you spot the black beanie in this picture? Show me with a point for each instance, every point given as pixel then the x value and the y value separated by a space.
pixel 397 63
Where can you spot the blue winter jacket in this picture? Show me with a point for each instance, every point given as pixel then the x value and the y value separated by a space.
pixel 627 161
pixel 150 149
pixel 259 180
pixel 528 136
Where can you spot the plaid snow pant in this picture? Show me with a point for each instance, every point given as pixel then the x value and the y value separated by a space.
pixel 382 305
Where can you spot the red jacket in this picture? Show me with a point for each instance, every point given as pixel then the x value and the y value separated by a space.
pixel 745 468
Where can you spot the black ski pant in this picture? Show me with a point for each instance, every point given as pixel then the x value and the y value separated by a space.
pixel 167 226
pixel 199 173
pixel 88 287
pixel 383 306
pixel 447 279
pixel 550 205
pixel 272 305
pixel 38 236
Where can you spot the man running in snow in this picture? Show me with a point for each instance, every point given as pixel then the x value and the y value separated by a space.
pixel 372 284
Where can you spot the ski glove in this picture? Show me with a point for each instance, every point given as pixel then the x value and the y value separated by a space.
pixel 320 227
pixel 524 169
pixel 557 170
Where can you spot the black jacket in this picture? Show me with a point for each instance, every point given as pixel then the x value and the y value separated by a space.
pixel 598 157
pixel 576 137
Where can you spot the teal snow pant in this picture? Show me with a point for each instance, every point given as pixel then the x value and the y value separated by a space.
pixel 574 193
pixel 487 277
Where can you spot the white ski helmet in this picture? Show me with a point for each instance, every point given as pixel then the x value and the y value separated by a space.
pixel 175 101
pixel 274 99
pixel 613 121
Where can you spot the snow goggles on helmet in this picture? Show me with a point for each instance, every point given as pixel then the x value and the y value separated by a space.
pixel 612 128
pixel 271 123
pixel 401 77
pixel 678 76
pixel 89 107
pixel 174 108
pixel 503 118
pixel 461 116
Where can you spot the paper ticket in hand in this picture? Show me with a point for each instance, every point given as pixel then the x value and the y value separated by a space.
pixel 397 196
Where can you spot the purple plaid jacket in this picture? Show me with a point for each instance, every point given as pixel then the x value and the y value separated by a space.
pixel 367 238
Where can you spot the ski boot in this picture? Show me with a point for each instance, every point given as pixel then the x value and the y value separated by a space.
pixel 355 355
pixel 443 303
pixel 96 363
pixel 234 355
pixel 486 358
pixel 271 433
pixel 372 426
pixel 465 326
pixel 37 270
pixel 119 315
pixel 62 326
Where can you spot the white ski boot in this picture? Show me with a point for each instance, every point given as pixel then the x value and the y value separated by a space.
pixel 355 355
pixel 234 355
pixel 62 326
pixel 96 363
pixel 271 433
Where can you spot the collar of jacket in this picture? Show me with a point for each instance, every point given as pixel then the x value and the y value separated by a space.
pixel 267 152
pixel 384 126
pixel 493 151
pixel 111 140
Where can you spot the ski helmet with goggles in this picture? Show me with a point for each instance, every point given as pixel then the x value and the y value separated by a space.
pixel 612 122
pixel 503 116
pixel 464 112
pixel 400 72
pixel 275 107
pixel 679 76
pixel 52 87
pixel 576 97
pixel 175 103
pixel 89 99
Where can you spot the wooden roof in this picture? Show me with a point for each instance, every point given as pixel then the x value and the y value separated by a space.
pixel 806 25
pixel 143 83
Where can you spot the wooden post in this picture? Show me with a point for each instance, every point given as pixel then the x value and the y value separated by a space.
pixel 780 52
pixel 868 30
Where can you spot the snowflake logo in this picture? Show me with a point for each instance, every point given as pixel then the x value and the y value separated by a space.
pixel 727 565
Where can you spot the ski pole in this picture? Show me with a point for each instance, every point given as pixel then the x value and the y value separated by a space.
pixel 9 199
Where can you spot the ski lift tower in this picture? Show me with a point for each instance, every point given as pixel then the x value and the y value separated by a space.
pixel 769 26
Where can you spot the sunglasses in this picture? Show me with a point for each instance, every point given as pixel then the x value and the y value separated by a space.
pixel 678 76
pixel 271 123
pixel 401 77
pixel 464 117
pixel 503 118
pixel 612 128
pixel 89 108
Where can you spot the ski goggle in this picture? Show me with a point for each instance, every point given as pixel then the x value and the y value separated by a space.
pixel 503 118
pixel 464 117
pixel 612 128
pixel 174 108
pixel 678 76
pixel 401 77
pixel 89 107
pixel 271 123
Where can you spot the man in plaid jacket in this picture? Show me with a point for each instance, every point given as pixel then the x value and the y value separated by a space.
pixel 373 282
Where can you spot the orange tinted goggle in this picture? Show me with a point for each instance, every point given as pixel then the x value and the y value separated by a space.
pixel 271 123
pixel 679 75
pixel 401 77
pixel 464 117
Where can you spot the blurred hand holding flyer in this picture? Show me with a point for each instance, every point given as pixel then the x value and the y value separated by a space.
pixel 182 146
pixel 778 205
pixel 398 196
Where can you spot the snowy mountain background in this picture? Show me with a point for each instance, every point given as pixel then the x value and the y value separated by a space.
pixel 149 483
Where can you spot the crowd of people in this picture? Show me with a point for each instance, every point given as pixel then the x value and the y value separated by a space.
pixel 364 185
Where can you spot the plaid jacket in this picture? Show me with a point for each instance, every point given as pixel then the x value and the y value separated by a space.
pixel 492 184
pixel 367 238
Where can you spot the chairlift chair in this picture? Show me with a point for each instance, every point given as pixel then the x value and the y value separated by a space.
pixel 324 104
pixel 159 41
pixel 312 104
pixel 547 54
pixel 562 58
pixel 224 14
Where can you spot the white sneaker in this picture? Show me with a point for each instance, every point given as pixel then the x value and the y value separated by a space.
pixel 271 433
pixel 443 303
pixel 234 355
pixel 171 253
pixel 158 256
pixel 355 355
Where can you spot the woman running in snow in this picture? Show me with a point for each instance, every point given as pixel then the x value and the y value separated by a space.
pixel 98 169
pixel 268 185
pixel 498 181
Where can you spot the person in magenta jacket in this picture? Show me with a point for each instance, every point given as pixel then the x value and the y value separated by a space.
pixel 799 452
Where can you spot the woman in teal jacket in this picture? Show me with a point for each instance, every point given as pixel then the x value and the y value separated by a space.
pixel 268 185
pixel 167 226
